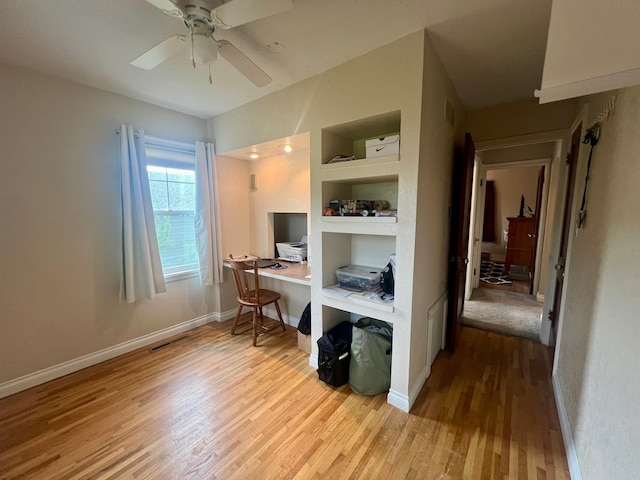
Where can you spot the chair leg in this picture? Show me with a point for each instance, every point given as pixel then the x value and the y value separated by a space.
pixel 284 329
pixel 235 321
pixel 255 326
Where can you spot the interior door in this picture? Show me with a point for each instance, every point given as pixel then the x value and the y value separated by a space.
pixel 536 229
pixel 459 239
pixel 572 161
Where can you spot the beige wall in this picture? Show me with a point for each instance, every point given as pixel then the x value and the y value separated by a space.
pixel 438 143
pixel 60 214
pixel 283 187
pixel 598 355
pixel 233 195
pixel 510 184
pixel 521 118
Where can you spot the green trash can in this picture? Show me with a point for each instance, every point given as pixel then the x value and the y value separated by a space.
pixel 370 366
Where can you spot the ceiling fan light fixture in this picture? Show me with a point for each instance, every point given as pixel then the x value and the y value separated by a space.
pixel 254 156
pixel 203 49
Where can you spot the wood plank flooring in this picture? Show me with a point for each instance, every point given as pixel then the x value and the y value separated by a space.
pixel 213 407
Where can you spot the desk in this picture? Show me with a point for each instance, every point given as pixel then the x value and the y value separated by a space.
pixel 294 273
pixel 293 286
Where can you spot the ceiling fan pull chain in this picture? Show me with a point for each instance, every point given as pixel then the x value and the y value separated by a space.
pixel 193 57
pixel 210 79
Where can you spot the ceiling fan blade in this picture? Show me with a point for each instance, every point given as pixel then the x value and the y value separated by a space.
pixel 239 12
pixel 242 63
pixel 161 52
pixel 167 6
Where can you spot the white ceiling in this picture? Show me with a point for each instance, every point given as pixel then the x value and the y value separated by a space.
pixel 273 148
pixel 493 50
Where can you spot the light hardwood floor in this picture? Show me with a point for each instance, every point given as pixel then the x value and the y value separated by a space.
pixel 213 407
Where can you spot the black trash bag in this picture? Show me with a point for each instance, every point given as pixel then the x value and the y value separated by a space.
pixel 386 279
pixel 304 325
pixel 334 354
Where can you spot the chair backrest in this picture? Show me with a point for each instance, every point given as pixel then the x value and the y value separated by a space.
pixel 247 282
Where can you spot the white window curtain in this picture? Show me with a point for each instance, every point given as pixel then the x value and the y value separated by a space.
pixel 207 215
pixel 142 275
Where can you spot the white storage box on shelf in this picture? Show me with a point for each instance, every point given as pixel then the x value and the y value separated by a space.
pixel 293 251
pixel 379 147
pixel 359 278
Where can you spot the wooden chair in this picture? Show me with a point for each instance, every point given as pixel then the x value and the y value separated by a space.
pixel 251 295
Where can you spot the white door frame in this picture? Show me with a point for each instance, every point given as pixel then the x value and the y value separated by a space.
pixel 476 222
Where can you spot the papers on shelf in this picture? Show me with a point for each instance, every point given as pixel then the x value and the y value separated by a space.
pixel 367 297
pixel 341 158
pixel 336 291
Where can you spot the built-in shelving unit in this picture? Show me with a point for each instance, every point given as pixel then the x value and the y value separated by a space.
pixel 357 240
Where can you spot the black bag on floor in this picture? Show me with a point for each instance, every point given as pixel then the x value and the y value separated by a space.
pixel 334 354
pixel 304 325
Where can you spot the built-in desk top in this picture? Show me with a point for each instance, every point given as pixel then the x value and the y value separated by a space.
pixel 299 273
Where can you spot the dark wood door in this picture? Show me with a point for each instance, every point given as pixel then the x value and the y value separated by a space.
pixel 459 240
pixel 520 242
pixel 572 161
pixel 536 228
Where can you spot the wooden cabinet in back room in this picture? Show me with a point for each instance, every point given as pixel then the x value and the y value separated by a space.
pixel 520 243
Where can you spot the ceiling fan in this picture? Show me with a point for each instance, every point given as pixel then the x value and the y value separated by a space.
pixel 202 19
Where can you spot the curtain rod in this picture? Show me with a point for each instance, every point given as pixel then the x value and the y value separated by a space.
pixel 135 134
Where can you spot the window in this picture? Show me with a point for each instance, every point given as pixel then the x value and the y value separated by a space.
pixel 170 166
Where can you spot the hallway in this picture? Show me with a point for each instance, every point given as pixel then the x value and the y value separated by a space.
pixel 501 309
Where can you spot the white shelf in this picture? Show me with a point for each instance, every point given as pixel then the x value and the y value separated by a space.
pixel 358 303
pixel 361 225
pixel 356 239
pixel 363 170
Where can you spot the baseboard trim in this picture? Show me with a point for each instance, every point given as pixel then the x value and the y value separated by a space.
pixel 70 366
pixel 313 361
pixel 224 316
pixel 398 400
pixel 565 427
pixel 288 319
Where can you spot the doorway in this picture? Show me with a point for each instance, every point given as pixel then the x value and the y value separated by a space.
pixel 505 286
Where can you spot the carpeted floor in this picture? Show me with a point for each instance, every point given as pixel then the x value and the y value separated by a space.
pixel 512 313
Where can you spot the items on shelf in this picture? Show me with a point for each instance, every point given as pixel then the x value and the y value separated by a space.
pixel 292 251
pixel 378 147
pixel 361 285
pixel 380 205
pixel 357 208
pixel 386 213
pixel 374 296
pixel 358 278
pixel 341 158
